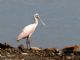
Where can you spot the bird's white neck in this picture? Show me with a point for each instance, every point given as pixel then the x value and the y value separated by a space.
pixel 36 21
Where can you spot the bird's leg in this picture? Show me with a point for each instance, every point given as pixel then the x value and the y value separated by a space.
pixel 27 42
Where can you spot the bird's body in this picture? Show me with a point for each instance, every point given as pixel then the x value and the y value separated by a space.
pixel 28 30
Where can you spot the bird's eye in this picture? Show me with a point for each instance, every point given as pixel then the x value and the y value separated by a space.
pixel 38 17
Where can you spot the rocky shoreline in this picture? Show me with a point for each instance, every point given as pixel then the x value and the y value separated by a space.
pixel 7 52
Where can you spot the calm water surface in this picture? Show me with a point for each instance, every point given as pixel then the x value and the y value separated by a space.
pixel 62 18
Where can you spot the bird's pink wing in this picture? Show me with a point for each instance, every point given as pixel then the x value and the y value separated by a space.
pixel 26 31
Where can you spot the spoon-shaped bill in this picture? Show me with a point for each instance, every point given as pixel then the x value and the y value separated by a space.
pixel 42 23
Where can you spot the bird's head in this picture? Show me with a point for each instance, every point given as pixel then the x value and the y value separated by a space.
pixel 36 15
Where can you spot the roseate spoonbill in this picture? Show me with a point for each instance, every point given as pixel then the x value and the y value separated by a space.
pixel 29 29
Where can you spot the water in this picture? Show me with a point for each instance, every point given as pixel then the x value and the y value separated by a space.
pixel 62 18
